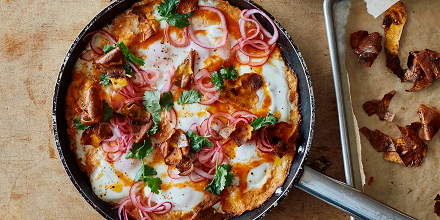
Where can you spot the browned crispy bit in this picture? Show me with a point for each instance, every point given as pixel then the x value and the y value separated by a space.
pixel 148 26
pixel 94 105
pixel 366 45
pixel 378 140
pixel 112 56
pixel 430 118
pixel 184 74
pixel 187 6
pixel 139 119
pixel 395 18
pixel 413 149
pixel 208 201
pixel 282 137
pixel 415 73
pixel 95 133
pixel 428 61
pixel 437 208
pixel 239 132
pixel 243 90
pixel 209 213
pixel 380 107
pixel 178 153
pixel 242 133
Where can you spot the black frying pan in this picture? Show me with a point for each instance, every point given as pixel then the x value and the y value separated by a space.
pixel 328 189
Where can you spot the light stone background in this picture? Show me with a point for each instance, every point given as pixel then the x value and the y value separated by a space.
pixel 34 38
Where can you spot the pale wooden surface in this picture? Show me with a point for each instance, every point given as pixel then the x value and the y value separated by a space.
pixel 34 38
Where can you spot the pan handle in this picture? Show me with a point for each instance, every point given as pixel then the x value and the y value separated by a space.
pixel 346 198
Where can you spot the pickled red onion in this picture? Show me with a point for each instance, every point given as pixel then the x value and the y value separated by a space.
pixel 183 43
pixel 224 26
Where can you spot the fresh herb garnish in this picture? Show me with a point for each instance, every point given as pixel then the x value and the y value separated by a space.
pixel 104 79
pixel 128 69
pixel 222 179
pixel 128 55
pixel 219 78
pixel 78 124
pixel 261 121
pixel 189 97
pixel 108 48
pixel 145 173
pixel 139 151
pixel 197 142
pixel 152 105
pixel 167 101
pixel 108 111
pixel 167 9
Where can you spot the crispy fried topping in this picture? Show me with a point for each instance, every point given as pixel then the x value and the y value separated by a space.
pixel 415 73
pixel 395 19
pixel 209 213
pixel 243 90
pixel 187 6
pixel 139 119
pixel 95 133
pixel 239 132
pixel 115 72
pixel 430 118
pixel 380 107
pixel 208 201
pixel 178 153
pixel 437 208
pixel 366 45
pixel 94 105
pixel 413 149
pixel 184 74
pixel 378 140
pixel 112 56
pixel 148 26
pixel 282 137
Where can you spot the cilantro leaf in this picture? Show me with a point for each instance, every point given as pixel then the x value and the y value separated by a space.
pixel 229 73
pixel 167 101
pixel 140 150
pixel 219 78
pixel 78 124
pixel 107 48
pixel 197 142
pixel 128 55
pixel 167 10
pixel 154 184
pixel 222 179
pixel 145 173
pixel 261 121
pixel 152 105
pixel 189 97
pixel 104 79
pixel 108 111
pixel 128 69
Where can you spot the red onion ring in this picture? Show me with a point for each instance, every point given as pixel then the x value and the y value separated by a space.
pixel 261 147
pixel 96 34
pixel 183 43
pixel 195 178
pixel 203 173
pixel 122 207
pixel 168 85
pixel 116 157
pixel 144 208
pixel 149 76
pixel 110 146
pixel 215 115
pixel 263 138
pixel 275 35
pixel 244 114
pixel 224 26
pixel 203 74
pixel 89 55
pixel 171 174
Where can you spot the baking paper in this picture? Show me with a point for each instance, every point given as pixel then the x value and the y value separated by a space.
pixel 408 189
pixel 377 7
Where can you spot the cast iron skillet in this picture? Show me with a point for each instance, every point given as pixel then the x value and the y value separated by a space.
pixel 328 189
